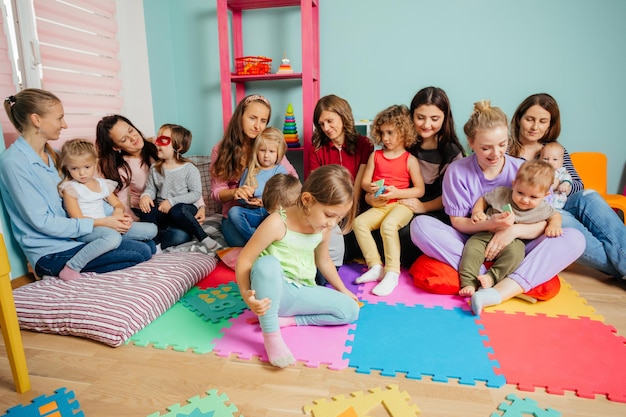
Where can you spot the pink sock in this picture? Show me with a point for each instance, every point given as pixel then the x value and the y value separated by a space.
pixel 277 351
pixel 68 274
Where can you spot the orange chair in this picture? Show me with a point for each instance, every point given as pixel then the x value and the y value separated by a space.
pixel 10 327
pixel 592 168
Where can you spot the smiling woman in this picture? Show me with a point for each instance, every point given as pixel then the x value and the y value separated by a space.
pixel 28 183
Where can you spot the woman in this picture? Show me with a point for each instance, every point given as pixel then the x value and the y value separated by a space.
pixel 437 146
pixel 537 122
pixel 28 183
pixel 465 181
pixel 232 155
pixel 125 156
pixel 336 141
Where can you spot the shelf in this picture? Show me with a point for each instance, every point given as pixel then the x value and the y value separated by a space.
pixel 261 4
pixel 265 77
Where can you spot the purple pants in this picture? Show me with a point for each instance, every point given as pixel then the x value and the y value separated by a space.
pixel 545 257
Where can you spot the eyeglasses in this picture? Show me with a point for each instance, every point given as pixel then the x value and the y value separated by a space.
pixel 163 141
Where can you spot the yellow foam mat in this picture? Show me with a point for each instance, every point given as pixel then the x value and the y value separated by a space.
pixel 567 303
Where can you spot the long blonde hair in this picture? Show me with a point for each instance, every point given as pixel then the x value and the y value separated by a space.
pixel 269 135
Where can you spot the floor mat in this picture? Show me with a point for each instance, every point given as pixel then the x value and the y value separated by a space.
pixel 211 405
pixel 559 354
pixel 440 343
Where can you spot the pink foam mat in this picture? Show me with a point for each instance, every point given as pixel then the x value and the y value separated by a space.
pixel 405 293
pixel 323 345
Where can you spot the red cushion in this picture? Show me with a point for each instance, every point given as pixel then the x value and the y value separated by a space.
pixel 440 278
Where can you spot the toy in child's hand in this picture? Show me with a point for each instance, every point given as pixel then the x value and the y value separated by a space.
pixel 381 188
pixel 507 208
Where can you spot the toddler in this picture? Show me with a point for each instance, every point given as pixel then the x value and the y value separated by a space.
pixel 552 153
pixel 523 203
pixel 173 186
pixel 402 178
pixel 268 150
pixel 87 196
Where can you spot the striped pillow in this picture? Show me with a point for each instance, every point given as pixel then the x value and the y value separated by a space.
pixel 110 307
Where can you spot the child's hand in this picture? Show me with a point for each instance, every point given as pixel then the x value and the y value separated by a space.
pixel 245 192
pixel 565 187
pixel 374 186
pixel 552 231
pixel 146 204
pixel 256 202
pixel 165 206
pixel 390 192
pixel 201 215
pixel 479 216
pixel 258 307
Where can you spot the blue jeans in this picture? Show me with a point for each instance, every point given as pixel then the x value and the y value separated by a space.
pixel 246 220
pixel 105 239
pixel 311 306
pixel 231 234
pixel 129 253
pixel 605 233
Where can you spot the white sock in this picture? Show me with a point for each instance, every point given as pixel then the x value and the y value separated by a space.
pixel 484 298
pixel 211 244
pixel 387 285
pixel 158 249
pixel 375 273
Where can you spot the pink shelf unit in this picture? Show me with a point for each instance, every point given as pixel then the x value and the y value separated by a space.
pixel 309 77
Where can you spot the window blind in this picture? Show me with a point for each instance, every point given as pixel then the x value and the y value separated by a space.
pixel 79 49
pixel 7 82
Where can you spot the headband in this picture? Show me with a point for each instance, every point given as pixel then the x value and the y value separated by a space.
pixel 256 97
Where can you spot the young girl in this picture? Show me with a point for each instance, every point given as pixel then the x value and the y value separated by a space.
pixel 175 183
pixel 268 150
pixel 400 172
pixel 276 269
pixel 84 197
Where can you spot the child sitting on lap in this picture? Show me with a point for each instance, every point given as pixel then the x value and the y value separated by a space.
pixel 553 153
pixel 504 206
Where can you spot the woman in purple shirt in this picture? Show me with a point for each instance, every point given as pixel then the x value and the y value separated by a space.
pixel 464 182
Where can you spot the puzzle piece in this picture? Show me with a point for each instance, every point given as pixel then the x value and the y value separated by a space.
pixel 395 402
pixel 438 342
pixel 215 304
pixel 524 407
pixel 212 405
pixel 180 329
pixel 567 302
pixel 60 404
pixel 554 353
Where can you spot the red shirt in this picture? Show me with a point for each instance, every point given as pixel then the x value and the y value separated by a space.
pixel 329 154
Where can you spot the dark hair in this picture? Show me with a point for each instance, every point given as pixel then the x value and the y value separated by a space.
pixel 446 137
pixel 30 101
pixel 548 103
pixel 235 147
pixel 341 107
pixel 110 161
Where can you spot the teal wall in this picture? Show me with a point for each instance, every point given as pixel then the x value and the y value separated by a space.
pixel 377 53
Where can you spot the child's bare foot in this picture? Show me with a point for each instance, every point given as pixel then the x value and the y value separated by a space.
pixel 277 351
pixel 486 280
pixel 467 291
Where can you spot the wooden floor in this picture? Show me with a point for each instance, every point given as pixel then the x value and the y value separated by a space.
pixel 136 381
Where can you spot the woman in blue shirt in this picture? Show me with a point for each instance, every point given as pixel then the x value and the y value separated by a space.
pixel 28 185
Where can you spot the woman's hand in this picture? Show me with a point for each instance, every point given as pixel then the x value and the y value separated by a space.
pixel 258 307
pixel 245 192
pixel 416 206
pixel 146 204
pixel 165 206
pixel 502 237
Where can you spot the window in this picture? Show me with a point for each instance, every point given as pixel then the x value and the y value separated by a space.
pixel 70 48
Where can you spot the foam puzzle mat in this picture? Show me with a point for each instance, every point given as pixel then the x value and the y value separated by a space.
pixel 210 405
pixel 60 404
pixel 422 335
